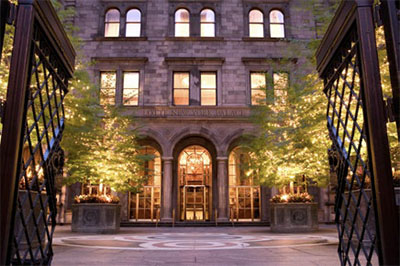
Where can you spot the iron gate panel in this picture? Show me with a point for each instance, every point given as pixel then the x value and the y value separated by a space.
pixel 354 205
pixel 41 64
pixel 366 216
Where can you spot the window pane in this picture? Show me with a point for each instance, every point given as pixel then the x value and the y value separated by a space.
pixel 111 30
pixel 256 16
pixel 258 97
pixel 108 80
pixel 208 80
pixel 281 84
pixel 277 31
pixel 131 80
pixel 112 15
pixel 130 97
pixel 276 16
pixel 256 30
pixel 181 80
pixel 207 30
pixel 181 97
pixel 133 15
pixel 182 15
pixel 207 15
pixel 281 81
pixel 208 97
pixel 132 30
pixel 107 88
pixel 258 81
pixel 182 30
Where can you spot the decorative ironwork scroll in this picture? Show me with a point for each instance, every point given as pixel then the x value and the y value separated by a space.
pixel 31 156
pixel 366 214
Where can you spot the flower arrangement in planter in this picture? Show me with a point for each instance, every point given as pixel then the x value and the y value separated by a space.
pixel 96 199
pixel 290 198
pixel 293 212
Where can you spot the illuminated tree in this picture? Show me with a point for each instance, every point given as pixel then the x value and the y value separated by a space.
pixel 292 119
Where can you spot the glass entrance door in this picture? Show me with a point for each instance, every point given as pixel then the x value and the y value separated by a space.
pixel 244 192
pixel 195 176
pixel 145 205
pixel 195 202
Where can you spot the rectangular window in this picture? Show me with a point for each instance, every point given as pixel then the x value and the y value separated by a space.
pixel 107 87
pixel 130 88
pixel 208 88
pixel 181 88
pixel 258 86
pixel 281 84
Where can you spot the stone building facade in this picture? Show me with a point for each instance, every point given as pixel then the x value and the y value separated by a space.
pixel 194 133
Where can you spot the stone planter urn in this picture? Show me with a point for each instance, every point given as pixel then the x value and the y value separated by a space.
pixel 100 218
pixel 294 217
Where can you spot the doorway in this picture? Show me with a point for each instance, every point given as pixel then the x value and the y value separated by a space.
pixel 195 184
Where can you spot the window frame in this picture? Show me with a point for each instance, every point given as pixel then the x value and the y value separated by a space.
pixel 266 75
pixel 105 88
pixel 276 23
pixel 133 22
pixel 215 89
pixel 256 23
pixel 286 89
pixel 123 88
pixel 266 7
pixel 208 23
pixel 173 87
pixel 177 23
pixel 108 23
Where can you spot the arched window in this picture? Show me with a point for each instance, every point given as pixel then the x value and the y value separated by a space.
pixel 111 23
pixel 207 23
pixel 182 23
pixel 133 18
pixel 276 24
pixel 256 24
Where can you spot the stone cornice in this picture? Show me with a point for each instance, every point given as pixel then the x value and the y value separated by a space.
pixel 249 60
pixel 121 59
pixel 194 60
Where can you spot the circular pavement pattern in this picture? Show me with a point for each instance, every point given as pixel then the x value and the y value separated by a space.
pixel 192 241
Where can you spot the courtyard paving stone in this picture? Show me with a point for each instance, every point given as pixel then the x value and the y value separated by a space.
pixel 196 246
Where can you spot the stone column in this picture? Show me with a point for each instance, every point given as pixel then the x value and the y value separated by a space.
pixel 166 208
pixel 223 190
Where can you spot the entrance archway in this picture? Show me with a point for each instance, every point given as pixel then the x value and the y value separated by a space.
pixel 194 184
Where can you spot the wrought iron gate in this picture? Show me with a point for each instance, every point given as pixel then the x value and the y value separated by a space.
pixel 33 121
pixel 366 214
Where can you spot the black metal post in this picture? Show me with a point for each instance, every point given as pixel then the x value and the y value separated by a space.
pixel 378 148
pixel 14 119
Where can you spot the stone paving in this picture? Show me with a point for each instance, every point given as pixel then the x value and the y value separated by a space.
pixel 196 245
